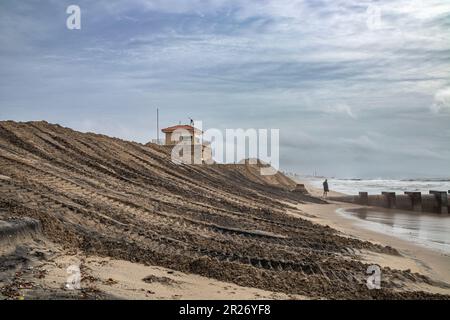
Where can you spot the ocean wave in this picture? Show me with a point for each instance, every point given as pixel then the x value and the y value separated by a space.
pixel 376 186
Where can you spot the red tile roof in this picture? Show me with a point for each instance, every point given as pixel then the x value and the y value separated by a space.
pixel 181 126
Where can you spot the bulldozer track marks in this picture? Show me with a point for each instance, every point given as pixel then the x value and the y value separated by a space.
pixel 127 200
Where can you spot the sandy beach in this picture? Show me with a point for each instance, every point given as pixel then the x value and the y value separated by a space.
pixel 225 150
pixel 131 224
pixel 413 257
pixel 107 278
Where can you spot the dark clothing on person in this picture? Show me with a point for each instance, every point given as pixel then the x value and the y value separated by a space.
pixel 325 186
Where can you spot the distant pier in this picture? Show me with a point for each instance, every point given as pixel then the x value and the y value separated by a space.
pixel 433 202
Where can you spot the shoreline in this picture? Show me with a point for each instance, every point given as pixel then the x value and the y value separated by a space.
pixel 106 277
pixel 97 196
pixel 416 258
pixel 376 186
pixel 404 225
pixel 317 192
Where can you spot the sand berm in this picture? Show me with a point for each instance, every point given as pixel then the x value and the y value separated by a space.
pixel 64 191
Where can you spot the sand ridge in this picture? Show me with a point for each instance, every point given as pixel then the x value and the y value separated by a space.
pixel 112 198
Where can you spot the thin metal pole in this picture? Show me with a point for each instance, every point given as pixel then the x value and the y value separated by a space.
pixel 157 125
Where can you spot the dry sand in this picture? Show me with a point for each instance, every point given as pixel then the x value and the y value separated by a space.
pixel 126 280
pixel 95 196
pixel 431 263
pixel 35 268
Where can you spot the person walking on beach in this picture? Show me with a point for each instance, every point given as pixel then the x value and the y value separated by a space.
pixel 325 188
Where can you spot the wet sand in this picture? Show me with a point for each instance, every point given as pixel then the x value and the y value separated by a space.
pixel 429 230
pixel 414 257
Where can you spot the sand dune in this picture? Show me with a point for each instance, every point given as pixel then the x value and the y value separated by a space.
pixel 105 197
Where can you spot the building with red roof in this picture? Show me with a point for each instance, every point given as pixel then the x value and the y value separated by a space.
pixel 188 134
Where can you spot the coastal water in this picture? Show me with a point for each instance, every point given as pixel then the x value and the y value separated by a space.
pixel 376 186
pixel 428 230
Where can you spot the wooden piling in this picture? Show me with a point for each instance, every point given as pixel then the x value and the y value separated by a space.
pixel 441 201
pixel 416 200
pixel 389 199
pixel 364 198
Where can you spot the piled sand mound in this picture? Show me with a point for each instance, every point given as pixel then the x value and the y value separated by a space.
pixel 251 170
pixel 128 201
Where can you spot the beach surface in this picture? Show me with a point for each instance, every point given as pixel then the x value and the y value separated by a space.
pixel 45 272
pixel 133 220
pixel 414 257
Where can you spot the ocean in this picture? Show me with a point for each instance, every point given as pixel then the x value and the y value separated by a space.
pixel 376 186
pixel 428 230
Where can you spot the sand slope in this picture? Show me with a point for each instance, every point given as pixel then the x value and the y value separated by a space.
pixel 113 198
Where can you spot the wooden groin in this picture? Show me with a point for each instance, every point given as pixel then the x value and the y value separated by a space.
pixel 433 202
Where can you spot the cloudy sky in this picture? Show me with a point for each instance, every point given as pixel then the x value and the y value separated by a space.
pixel 357 88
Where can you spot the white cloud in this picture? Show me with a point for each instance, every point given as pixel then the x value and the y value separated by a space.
pixel 441 101
pixel 270 63
pixel 341 108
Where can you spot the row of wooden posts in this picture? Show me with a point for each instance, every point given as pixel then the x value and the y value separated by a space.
pixel 434 201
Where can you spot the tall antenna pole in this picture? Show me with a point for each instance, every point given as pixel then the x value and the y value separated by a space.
pixel 157 125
